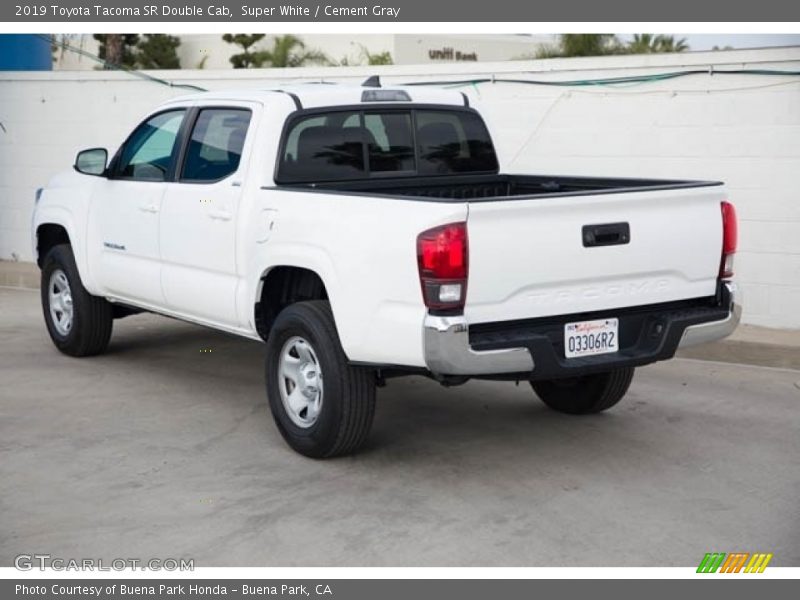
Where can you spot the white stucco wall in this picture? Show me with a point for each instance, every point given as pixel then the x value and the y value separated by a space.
pixel 743 129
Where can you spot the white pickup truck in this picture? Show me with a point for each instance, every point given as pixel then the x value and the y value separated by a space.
pixel 369 232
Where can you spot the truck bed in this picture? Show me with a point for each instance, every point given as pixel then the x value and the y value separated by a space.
pixel 492 187
pixel 541 246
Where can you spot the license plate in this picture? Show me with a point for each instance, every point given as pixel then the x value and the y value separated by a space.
pixel 587 338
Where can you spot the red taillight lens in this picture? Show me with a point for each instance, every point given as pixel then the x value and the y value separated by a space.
pixel 730 239
pixel 442 252
pixel 442 256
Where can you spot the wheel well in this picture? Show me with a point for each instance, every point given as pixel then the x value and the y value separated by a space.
pixel 281 287
pixel 48 236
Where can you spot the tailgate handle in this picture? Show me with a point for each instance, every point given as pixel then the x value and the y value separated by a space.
pixel 606 234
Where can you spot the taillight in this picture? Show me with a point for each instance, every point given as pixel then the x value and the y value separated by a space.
pixel 730 238
pixel 442 256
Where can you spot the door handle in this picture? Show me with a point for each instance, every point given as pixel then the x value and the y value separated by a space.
pixel 149 208
pixel 220 215
pixel 607 234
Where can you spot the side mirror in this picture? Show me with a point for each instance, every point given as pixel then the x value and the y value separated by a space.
pixel 92 161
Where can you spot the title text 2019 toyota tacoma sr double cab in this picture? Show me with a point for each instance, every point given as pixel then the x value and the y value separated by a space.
pixel 368 232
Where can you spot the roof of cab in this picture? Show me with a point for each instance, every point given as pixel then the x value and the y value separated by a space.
pixel 316 95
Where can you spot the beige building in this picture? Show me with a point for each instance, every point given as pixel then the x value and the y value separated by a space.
pixel 209 51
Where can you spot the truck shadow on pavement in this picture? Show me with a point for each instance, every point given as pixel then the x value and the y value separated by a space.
pixel 415 419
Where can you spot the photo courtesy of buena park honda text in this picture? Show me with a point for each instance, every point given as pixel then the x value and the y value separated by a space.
pixel 399 299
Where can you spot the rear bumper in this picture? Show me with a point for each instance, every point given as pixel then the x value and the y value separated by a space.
pixel 448 352
pixel 711 331
pixel 534 349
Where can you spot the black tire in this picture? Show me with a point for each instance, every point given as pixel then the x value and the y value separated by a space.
pixel 92 317
pixel 585 395
pixel 348 393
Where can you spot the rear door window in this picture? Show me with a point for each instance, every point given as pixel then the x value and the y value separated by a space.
pixel 215 145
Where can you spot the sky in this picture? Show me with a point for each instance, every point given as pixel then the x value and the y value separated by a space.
pixel 744 40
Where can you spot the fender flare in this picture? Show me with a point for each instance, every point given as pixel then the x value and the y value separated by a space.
pixel 60 216
pixel 299 256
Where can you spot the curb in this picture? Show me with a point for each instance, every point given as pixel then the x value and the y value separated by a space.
pixel 743 352
pixel 19 274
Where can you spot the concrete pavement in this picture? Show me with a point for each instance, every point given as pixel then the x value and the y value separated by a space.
pixel 157 449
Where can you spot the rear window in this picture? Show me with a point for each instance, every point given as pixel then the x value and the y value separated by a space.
pixel 344 145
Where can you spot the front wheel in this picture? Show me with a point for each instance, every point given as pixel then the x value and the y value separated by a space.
pixel 78 323
pixel 322 405
pixel 587 394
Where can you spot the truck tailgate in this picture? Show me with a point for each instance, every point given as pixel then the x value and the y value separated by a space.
pixel 528 258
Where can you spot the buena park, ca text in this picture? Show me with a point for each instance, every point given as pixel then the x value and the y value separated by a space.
pixel 205 10
pixel 121 589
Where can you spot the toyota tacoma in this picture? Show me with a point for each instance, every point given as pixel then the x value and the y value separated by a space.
pixel 367 232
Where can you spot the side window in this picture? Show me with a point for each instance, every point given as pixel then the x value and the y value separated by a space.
pixel 451 142
pixel 324 148
pixel 291 142
pixel 215 145
pixel 147 154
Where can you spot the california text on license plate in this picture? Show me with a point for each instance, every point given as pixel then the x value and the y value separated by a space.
pixel 587 338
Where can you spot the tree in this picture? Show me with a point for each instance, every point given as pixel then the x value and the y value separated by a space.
pixel 588 44
pixel 602 44
pixel 286 51
pixel 642 43
pixel 246 58
pixel 379 58
pixel 117 49
pixel 158 51
pixel 585 44
pixel 290 51
pixel 543 51
pixel 582 44
pixel 668 43
pixel 366 57
pixel 647 43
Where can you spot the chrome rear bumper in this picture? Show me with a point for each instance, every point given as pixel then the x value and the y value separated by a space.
pixel 448 351
pixel 716 330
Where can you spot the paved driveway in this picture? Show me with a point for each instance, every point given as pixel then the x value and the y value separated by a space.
pixel 157 449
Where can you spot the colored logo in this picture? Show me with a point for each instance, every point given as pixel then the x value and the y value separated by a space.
pixel 736 562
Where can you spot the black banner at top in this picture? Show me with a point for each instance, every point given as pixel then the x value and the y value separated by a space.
pixel 306 11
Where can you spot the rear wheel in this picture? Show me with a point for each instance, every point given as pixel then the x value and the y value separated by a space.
pixel 587 394
pixel 322 405
pixel 78 323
